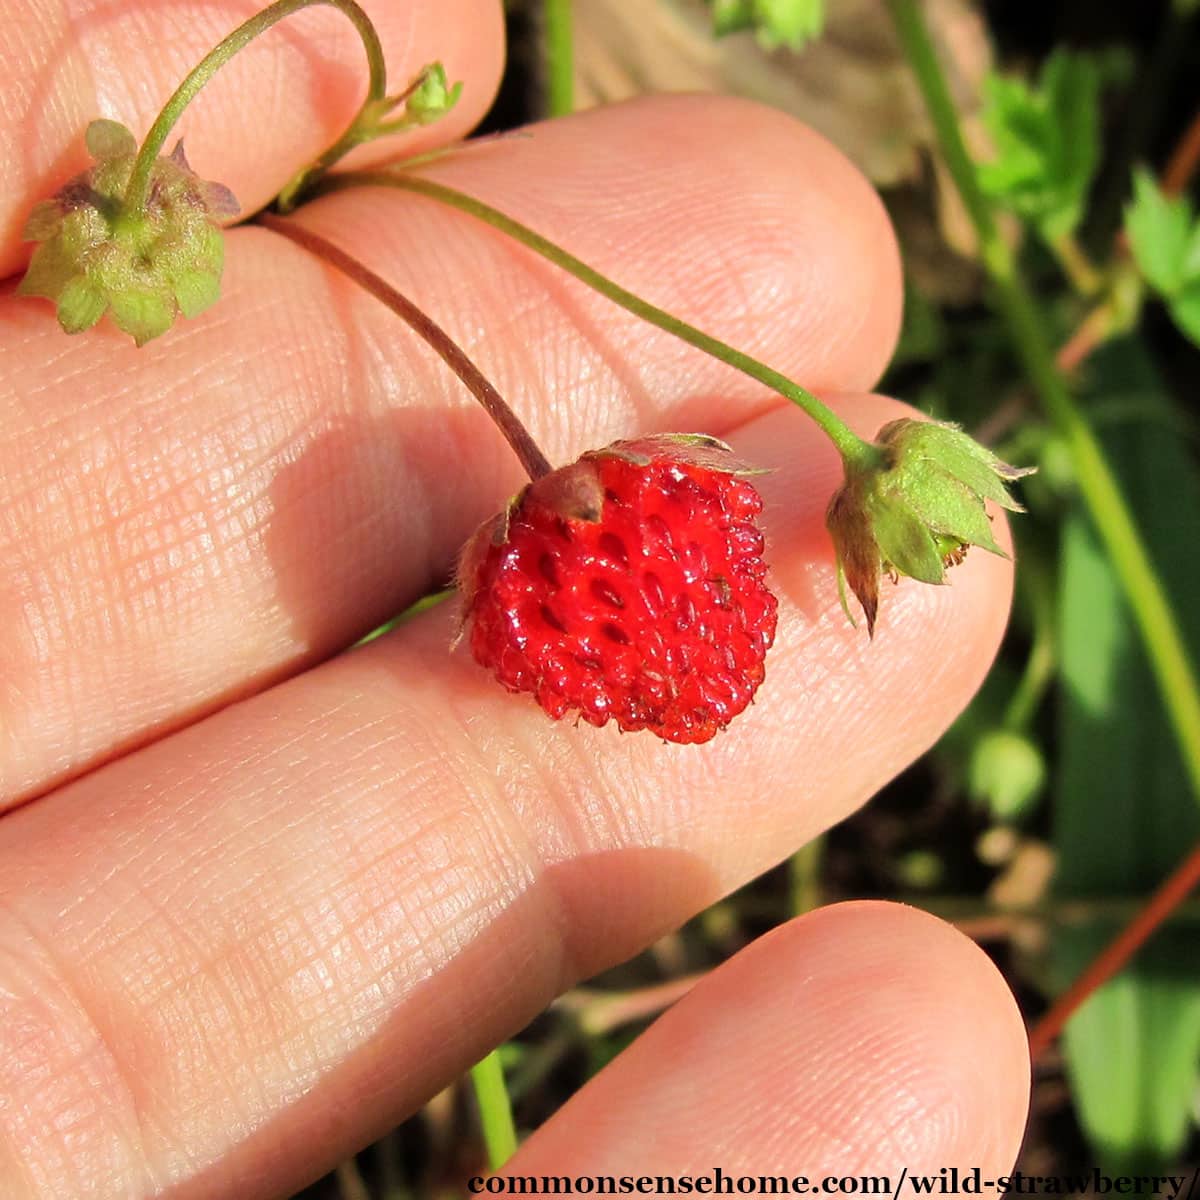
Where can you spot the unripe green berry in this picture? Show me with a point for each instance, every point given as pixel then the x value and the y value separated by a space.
pixel 143 267
pixel 917 509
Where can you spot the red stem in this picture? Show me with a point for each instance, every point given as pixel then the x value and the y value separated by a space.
pixel 1184 160
pixel 1118 952
pixel 517 436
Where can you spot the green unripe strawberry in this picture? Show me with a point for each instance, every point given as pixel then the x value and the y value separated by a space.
pixel 143 267
pixel 918 509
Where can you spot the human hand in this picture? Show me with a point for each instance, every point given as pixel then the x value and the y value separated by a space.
pixel 262 902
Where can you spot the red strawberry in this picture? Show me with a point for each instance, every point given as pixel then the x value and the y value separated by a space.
pixel 628 586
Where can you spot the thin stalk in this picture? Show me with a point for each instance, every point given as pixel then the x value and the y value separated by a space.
pixel 215 59
pixel 1170 895
pixel 366 126
pixel 1078 268
pixel 1184 160
pixel 804 877
pixel 351 1185
pixel 855 452
pixel 495 1112
pixel 558 57
pixel 1098 485
pixel 517 436
pixel 1043 653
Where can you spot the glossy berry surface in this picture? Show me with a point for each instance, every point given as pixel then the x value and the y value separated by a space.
pixel 629 587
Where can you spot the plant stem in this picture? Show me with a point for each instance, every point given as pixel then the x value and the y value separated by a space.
pixel 517 436
pixel 495 1112
pixel 558 57
pixel 1078 268
pixel 855 452
pixel 1098 486
pixel 1038 586
pixel 215 59
pixel 804 876
pixel 1170 895
pixel 1184 161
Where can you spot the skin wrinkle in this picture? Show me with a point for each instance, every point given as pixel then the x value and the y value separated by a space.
pixel 119 1090
pixel 512 839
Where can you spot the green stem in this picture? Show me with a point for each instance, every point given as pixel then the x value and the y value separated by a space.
pixel 1035 581
pixel 558 57
pixel 495 1112
pixel 1097 484
pixel 804 876
pixel 215 59
pixel 856 453
pixel 1076 265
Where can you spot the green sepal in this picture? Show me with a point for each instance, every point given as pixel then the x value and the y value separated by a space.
pixel 957 454
pixel 905 541
pixel 433 97
pixel 916 508
pixel 195 291
pixel 141 313
pixel 144 266
pixel 44 221
pixel 80 305
pixel 947 506
pixel 110 139
pixel 49 271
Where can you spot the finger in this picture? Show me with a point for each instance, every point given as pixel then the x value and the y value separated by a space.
pixel 861 1041
pixel 276 105
pixel 186 523
pixel 333 897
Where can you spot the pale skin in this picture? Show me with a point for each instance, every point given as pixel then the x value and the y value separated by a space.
pixel 260 899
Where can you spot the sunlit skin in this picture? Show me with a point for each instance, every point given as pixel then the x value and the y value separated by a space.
pixel 258 902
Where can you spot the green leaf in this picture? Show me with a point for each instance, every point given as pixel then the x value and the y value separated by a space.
pixel 791 23
pixel 732 16
pixel 1047 142
pixel 1163 235
pixel 1123 813
pixel 1185 310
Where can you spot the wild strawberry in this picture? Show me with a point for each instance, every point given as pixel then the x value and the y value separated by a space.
pixel 628 586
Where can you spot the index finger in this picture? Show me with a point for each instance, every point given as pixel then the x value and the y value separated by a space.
pixel 65 62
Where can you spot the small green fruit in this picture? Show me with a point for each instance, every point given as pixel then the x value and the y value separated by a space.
pixel 143 267
pixel 917 509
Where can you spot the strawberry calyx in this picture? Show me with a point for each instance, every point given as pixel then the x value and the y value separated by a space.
pixel 918 511
pixel 145 266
